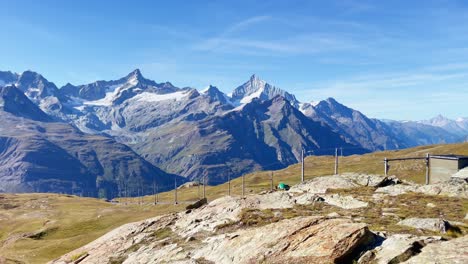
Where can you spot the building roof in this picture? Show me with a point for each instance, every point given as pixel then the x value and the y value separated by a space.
pixel 449 157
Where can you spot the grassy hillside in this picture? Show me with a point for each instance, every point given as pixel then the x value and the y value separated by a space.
pixel 372 163
pixel 35 228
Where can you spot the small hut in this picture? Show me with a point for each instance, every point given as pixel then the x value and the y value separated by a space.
pixel 443 167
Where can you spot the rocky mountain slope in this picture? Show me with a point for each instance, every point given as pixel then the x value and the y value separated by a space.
pixel 38 154
pixel 350 218
pixel 198 134
pixel 261 135
pixel 374 134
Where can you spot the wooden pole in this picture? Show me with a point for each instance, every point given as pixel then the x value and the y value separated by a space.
pixel 175 192
pixel 204 187
pixel 271 180
pixel 157 193
pixel 302 165
pixel 427 168
pixel 336 161
pixel 199 183
pixel 243 185
pixel 154 192
pixel 229 185
pixel 386 166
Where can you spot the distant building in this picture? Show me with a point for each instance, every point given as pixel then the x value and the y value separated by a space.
pixel 442 167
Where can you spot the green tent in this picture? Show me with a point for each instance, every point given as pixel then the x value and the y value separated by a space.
pixel 283 186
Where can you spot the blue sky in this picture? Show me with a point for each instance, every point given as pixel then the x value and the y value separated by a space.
pixel 388 59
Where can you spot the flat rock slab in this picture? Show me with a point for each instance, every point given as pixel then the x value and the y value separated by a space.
pixel 453 251
pixel 227 209
pixel 432 224
pixel 298 240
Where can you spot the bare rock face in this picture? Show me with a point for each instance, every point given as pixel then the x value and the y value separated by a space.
pixel 396 248
pixel 453 251
pixel 373 180
pixel 227 209
pixel 299 240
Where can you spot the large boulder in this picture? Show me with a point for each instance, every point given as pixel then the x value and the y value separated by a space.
pixel 461 174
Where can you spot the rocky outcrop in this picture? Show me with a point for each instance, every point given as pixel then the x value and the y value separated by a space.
pixel 453 251
pixel 299 240
pixel 397 248
pixel 461 174
pixel 453 188
pixel 218 232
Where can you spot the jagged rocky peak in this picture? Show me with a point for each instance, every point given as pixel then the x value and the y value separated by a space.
pixel 8 77
pixel 255 87
pixel 135 77
pixel 35 86
pixel 14 101
pixel 216 95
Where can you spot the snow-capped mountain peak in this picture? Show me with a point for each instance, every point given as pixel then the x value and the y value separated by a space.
pixel 255 87
pixel 459 126
pixel 216 95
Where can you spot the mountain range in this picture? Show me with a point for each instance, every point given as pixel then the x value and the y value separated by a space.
pixel 116 137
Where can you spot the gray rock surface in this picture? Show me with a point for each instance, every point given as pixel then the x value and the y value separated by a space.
pixel 454 251
pixel 396 248
pixel 433 224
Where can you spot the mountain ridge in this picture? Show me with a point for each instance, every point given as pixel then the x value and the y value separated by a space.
pixel 209 134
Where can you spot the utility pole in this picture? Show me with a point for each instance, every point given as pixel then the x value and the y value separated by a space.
pixel 427 168
pixel 336 161
pixel 271 180
pixel 302 165
pixel 175 192
pixel 229 184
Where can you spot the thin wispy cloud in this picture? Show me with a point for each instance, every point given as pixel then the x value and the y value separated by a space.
pixel 292 44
